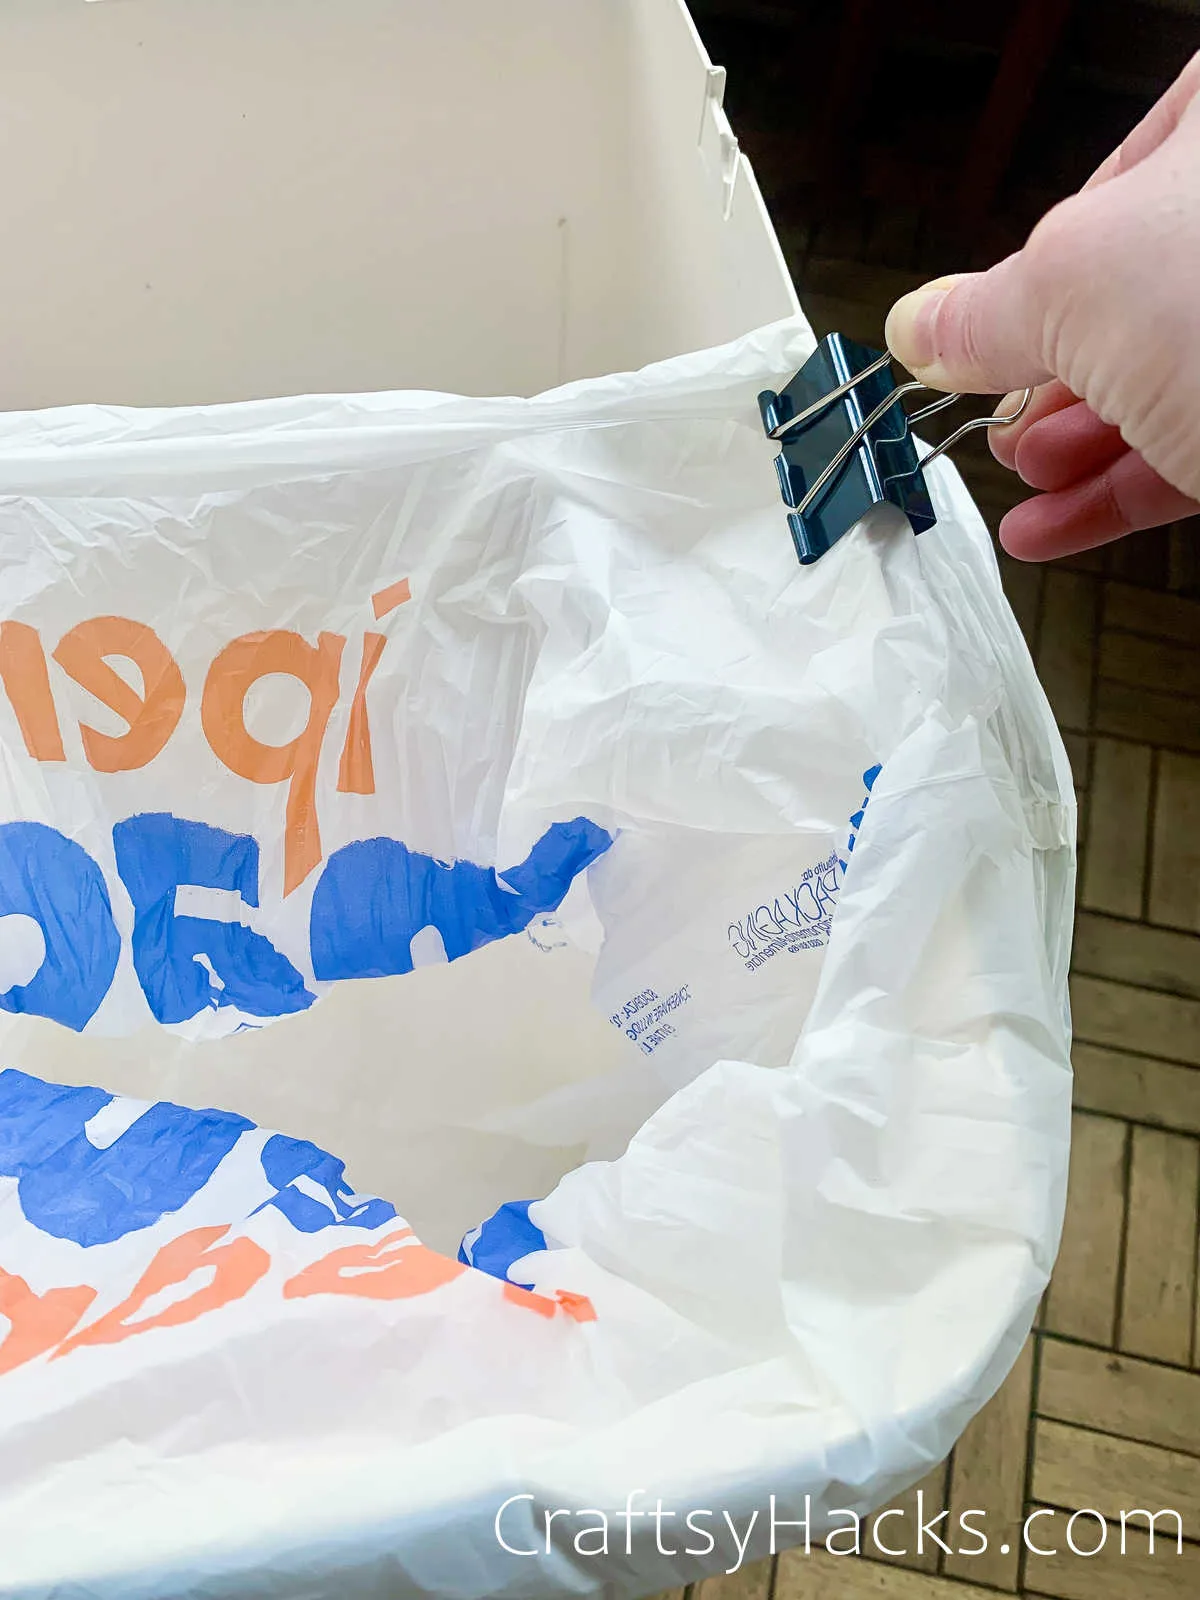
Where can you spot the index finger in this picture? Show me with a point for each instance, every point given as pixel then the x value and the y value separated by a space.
pixel 1047 398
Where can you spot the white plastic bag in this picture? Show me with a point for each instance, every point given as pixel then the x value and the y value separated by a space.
pixel 577 846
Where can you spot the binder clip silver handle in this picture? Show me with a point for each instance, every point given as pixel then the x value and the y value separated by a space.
pixel 847 445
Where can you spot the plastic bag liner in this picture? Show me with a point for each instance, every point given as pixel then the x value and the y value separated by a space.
pixel 476 792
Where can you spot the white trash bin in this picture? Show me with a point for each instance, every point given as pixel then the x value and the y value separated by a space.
pixel 477 792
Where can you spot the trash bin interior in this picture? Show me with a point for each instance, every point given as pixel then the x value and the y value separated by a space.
pixel 232 201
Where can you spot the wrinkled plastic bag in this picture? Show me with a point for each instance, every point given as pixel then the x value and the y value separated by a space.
pixel 477 792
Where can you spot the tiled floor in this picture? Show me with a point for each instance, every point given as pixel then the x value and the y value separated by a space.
pixel 1103 1409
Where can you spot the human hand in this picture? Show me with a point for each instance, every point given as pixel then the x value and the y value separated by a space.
pixel 1101 311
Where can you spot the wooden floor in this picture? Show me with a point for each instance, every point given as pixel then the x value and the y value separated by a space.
pixel 1102 1412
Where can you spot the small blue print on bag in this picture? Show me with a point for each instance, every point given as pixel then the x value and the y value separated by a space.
pixel 869 777
pixel 800 918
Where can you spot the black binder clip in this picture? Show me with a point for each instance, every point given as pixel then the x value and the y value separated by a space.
pixel 847 445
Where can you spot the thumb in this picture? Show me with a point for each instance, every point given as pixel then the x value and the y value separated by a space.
pixel 977 332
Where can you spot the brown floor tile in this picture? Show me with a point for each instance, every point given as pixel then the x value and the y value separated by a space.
pixel 1073 1467
pixel 893 235
pixel 824 1577
pixel 1114 863
pixel 1119 1395
pixel 934 1489
pixel 1140 1020
pixel 865 282
pixel 1144 611
pixel 840 234
pixel 1110 1575
pixel 1175 852
pixel 1023 586
pixel 1131 952
pixel 1144 560
pixel 1150 663
pixel 1098 560
pixel 1066 645
pixel 1083 813
pixel 1158 1300
pixel 1082 1298
pixel 1130 713
pixel 833 314
pixel 1149 1091
pixel 1185 556
pixel 751 1582
pixel 989 1473
pixel 985 475
pixel 1079 753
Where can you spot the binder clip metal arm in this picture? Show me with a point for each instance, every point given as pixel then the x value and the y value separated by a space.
pixel 847 445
